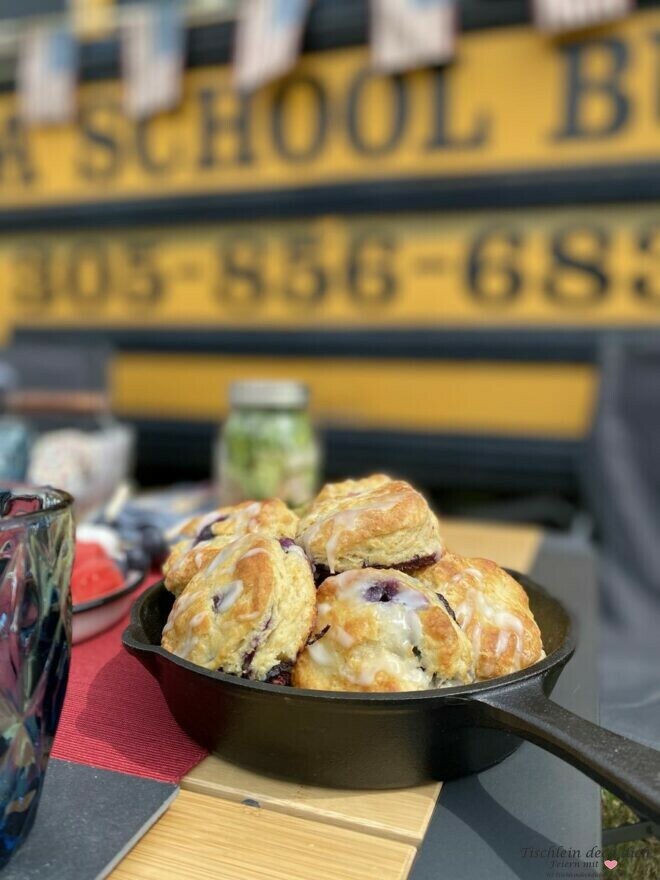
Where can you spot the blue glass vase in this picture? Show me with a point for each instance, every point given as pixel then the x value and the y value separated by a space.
pixel 36 554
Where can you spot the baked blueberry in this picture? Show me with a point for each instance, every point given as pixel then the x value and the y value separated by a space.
pixel 249 609
pixel 204 537
pixel 382 630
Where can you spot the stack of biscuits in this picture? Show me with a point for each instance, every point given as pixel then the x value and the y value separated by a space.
pixel 356 592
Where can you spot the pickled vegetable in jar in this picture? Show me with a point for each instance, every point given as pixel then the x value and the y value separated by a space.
pixel 267 447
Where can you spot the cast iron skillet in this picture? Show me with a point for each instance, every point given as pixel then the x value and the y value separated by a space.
pixel 351 740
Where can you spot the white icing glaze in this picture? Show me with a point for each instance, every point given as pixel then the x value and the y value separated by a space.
pixel 320 654
pixel 340 524
pixel 229 595
pixel 340 635
pixel 242 522
pixel 509 624
pixel 175 532
pixel 222 556
pixel 384 661
pixel 208 520
pixel 295 548
pixel 351 585
pixel 414 627
pixel 506 620
pixel 472 576
pixel 464 613
pixel 199 557
pixel 342 521
pixel 253 552
pixel 187 647
pixel 410 598
pixel 502 642
pixel 501 619
pixel 247 516
pixel 197 619
pixel 401 627
pixel 475 638
pixel 182 603
pixel 323 607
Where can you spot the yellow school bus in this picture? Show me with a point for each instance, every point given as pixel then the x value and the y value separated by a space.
pixel 439 254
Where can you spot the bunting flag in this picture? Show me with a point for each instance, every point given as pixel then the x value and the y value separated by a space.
pixel 152 57
pixel 406 34
pixel 46 75
pixel 556 16
pixel 268 39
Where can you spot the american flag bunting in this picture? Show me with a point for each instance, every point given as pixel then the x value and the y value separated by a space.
pixel 46 75
pixel 556 16
pixel 406 34
pixel 268 39
pixel 152 56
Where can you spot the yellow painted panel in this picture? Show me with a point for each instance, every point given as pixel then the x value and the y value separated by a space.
pixel 549 268
pixel 92 19
pixel 513 100
pixel 475 397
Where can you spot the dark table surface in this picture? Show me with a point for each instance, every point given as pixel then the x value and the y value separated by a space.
pixel 88 820
pixel 512 820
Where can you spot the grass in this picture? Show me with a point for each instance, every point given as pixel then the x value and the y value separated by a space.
pixel 639 859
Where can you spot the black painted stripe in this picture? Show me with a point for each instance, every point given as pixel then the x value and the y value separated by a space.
pixel 537 345
pixel 545 187
pixel 459 461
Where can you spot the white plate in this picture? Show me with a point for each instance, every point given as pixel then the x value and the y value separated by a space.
pixel 96 615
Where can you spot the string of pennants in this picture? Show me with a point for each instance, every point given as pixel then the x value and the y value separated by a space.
pixel 404 34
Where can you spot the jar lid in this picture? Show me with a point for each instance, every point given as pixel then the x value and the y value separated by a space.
pixel 268 394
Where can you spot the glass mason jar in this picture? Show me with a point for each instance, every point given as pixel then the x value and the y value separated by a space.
pixel 36 553
pixel 267 447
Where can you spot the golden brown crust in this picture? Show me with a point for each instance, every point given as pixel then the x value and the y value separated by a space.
pixel 249 610
pixel 346 488
pixel 382 631
pixel 380 522
pixel 190 555
pixel 493 611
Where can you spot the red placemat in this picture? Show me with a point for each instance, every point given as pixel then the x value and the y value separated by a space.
pixel 116 718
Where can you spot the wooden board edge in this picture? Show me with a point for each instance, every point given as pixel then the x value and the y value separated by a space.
pixel 302 811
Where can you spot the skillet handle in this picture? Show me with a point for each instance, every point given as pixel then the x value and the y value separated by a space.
pixel 628 769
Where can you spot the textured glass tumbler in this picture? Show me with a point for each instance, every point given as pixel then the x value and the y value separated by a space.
pixel 36 553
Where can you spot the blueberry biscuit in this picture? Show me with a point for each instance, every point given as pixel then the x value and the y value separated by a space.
pixel 382 630
pixel 249 612
pixel 205 536
pixel 374 522
pixel 493 611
